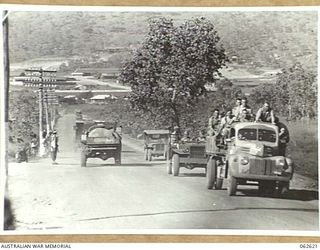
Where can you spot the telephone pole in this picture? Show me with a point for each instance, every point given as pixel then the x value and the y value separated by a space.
pixel 42 79
pixel 5 27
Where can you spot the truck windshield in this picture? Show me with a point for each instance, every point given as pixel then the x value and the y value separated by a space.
pixel 252 134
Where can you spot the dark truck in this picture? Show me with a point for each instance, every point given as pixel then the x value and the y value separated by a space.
pixel 102 140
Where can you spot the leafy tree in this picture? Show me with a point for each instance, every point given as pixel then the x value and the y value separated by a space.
pixel 169 71
pixel 294 95
pixel 25 123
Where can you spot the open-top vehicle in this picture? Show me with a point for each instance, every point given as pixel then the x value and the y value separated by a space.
pixel 156 143
pixel 101 140
pixel 189 155
pixel 249 156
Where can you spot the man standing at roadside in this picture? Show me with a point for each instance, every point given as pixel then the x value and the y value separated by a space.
pixel 54 147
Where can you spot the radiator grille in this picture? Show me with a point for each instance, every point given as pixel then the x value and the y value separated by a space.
pixel 197 151
pixel 159 147
pixel 262 166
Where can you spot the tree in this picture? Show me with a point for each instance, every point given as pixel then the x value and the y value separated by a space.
pixel 294 95
pixel 168 73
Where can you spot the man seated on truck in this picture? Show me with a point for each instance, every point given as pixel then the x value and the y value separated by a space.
pixel 186 137
pixel 265 114
pixel 201 136
pixel 225 126
pixel 245 116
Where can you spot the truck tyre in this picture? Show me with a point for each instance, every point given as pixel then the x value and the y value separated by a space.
pixel 149 155
pixel 146 153
pixel 283 189
pixel 175 164
pixel 232 186
pixel 83 160
pixel 219 183
pixel 169 167
pixel 211 173
pixel 117 159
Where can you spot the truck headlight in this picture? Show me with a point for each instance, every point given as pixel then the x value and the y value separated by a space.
pixel 244 160
pixel 281 162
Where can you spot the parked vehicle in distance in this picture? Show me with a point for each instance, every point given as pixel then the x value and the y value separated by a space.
pixel 101 140
pixel 156 143
pixel 250 156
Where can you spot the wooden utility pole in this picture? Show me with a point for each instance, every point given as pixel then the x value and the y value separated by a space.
pixel 5 27
pixel 41 150
pixel 47 110
pixel 43 79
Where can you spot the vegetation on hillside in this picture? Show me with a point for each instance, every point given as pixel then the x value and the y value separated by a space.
pixel 272 39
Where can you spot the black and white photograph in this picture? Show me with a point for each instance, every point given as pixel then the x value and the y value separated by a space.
pixel 166 120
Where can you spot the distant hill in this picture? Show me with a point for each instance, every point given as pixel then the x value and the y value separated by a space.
pixel 274 39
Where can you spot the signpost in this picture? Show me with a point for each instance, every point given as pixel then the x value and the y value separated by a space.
pixel 44 80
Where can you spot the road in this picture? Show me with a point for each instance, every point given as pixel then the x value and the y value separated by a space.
pixel 140 195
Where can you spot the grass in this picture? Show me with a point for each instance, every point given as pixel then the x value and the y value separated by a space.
pixel 303 147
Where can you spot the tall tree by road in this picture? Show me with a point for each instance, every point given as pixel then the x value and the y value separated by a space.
pixel 169 71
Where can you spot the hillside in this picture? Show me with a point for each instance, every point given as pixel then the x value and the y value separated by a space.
pixel 274 39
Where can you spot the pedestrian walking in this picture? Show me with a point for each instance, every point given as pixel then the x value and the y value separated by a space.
pixel 54 146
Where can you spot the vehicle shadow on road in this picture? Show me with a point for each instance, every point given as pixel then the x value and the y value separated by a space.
pixel 192 175
pixel 138 164
pixel 303 195
pixel 293 194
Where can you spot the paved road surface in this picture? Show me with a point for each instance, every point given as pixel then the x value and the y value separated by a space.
pixel 140 195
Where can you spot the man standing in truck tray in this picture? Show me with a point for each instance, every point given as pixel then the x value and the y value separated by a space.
pixel 236 111
pixel 214 123
pixel 244 105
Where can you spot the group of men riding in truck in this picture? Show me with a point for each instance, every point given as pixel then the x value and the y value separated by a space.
pixel 220 125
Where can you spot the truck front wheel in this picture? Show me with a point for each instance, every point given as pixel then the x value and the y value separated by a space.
pixel 83 160
pixel 211 173
pixel 232 186
pixel 283 189
pixel 169 166
pixel 175 164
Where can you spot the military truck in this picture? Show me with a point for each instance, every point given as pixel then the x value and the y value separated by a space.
pixel 189 155
pixel 250 155
pixel 156 143
pixel 102 140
